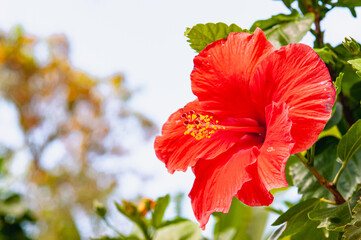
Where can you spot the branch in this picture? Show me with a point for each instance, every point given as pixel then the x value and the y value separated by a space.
pixel 322 180
pixel 317 32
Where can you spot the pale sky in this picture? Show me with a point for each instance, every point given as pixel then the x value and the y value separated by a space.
pixel 144 40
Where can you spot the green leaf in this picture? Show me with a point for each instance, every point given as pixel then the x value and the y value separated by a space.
pixel 274 20
pixel 333 218
pixel 338 84
pixel 353 230
pixel 173 221
pixel 159 209
pixel 336 116
pixel 325 162
pixel 129 210
pixel 355 91
pixel 343 126
pixel 302 4
pixel 348 3
pixel 277 233
pixel 290 32
pixel 288 3
pixel 299 226
pixel 201 35
pixel 283 29
pixel 184 230
pixel 350 143
pixel 310 231
pixel 299 211
pixel 327 55
pixel 353 11
pixel 337 108
pixel 241 222
pixel 356 64
pixel 274 210
pixel 292 160
pixel 349 79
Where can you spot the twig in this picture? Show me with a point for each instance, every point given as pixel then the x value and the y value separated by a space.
pixel 327 201
pixel 317 32
pixel 322 180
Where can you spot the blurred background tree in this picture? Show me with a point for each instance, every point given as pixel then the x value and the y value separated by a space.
pixel 69 122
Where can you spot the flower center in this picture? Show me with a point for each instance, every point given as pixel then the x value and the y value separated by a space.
pixel 204 126
pixel 200 126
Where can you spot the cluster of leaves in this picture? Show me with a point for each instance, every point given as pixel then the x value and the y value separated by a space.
pixel 61 107
pixel 148 221
pixel 339 161
pixel 242 222
pixel 280 30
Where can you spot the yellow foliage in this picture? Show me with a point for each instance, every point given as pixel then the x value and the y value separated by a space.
pixel 57 103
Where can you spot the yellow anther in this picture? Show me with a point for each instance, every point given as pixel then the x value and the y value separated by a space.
pixel 200 126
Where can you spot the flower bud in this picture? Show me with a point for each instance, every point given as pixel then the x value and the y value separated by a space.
pixel 100 209
pixel 352 46
pixel 145 206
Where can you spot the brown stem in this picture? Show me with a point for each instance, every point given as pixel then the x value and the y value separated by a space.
pixel 322 180
pixel 317 31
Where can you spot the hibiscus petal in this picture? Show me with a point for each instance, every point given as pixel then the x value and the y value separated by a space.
pixel 222 72
pixel 296 75
pixel 218 180
pixel 179 151
pixel 276 148
pixel 269 170
pixel 254 192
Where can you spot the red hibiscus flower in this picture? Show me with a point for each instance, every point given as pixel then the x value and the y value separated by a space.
pixel 255 107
